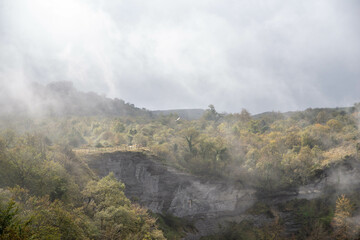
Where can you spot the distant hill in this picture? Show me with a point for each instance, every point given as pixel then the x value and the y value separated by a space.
pixel 189 114
pixel 309 111
pixel 62 99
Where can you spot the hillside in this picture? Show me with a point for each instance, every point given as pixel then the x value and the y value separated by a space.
pixel 298 173
pixel 62 99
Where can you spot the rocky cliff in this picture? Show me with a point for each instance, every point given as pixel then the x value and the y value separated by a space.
pixel 209 204
pixel 164 189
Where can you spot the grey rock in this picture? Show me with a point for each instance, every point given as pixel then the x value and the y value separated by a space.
pixel 163 189
pixel 210 204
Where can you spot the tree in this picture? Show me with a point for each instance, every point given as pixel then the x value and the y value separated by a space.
pixel 334 125
pixel 114 213
pixel 258 126
pixel 119 127
pixel 211 114
pixel 191 135
pixel 321 117
pixel 341 223
pixel 10 225
pixel 244 115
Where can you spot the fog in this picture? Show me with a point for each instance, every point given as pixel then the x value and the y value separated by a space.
pixel 258 55
pixel 71 72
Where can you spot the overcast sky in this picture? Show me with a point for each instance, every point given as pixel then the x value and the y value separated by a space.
pixel 261 55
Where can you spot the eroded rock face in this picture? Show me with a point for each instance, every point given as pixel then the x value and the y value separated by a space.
pixel 341 179
pixel 210 204
pixel 164 189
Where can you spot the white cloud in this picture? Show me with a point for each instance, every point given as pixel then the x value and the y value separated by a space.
pixel 261 55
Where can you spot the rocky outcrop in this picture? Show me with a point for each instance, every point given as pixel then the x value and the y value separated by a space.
pixel 164 189
pixel 211 204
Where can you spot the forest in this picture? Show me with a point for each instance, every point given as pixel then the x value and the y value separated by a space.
pixel 179 120
pixel 47 190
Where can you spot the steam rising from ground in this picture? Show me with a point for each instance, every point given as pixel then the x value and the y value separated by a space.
pixel 261 55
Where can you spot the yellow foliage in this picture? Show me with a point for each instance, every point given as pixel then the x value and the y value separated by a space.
pixel 334 125
pixel 341 223
pixel 337 154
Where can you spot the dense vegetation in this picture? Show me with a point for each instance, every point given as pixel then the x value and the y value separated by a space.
pixel 48 192
pixel 269 153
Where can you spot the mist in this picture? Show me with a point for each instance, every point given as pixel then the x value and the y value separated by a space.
pixel 257 55
pixel 137 119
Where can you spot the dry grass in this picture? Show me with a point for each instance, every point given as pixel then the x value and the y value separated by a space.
pixel 93 150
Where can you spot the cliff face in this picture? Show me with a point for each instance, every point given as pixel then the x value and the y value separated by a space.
pixel 209 204
pixel 163 189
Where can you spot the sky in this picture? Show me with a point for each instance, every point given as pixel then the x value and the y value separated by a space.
pixel 261 55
